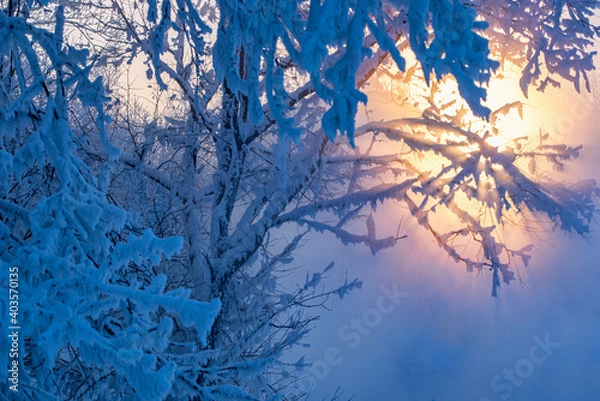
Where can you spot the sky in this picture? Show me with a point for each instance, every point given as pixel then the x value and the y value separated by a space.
pixel 422 328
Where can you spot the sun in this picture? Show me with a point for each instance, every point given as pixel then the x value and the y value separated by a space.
pixel 463 164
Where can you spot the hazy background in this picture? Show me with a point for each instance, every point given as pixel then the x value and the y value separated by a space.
pixel 448 338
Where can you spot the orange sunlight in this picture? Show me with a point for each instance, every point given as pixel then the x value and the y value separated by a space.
pixel 515 123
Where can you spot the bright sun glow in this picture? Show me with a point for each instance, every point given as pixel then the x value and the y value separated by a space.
pixel 438 114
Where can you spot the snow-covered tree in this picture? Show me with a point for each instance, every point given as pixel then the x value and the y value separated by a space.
pixel 242 159
pixel 93 320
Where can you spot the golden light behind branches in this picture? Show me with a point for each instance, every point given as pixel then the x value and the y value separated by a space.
pixel 466 165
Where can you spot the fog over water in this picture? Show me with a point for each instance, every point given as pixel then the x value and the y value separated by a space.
pixel 422 328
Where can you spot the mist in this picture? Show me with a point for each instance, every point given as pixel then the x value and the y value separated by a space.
pixel 442 336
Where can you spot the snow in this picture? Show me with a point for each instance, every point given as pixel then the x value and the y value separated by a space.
pixel 157 253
